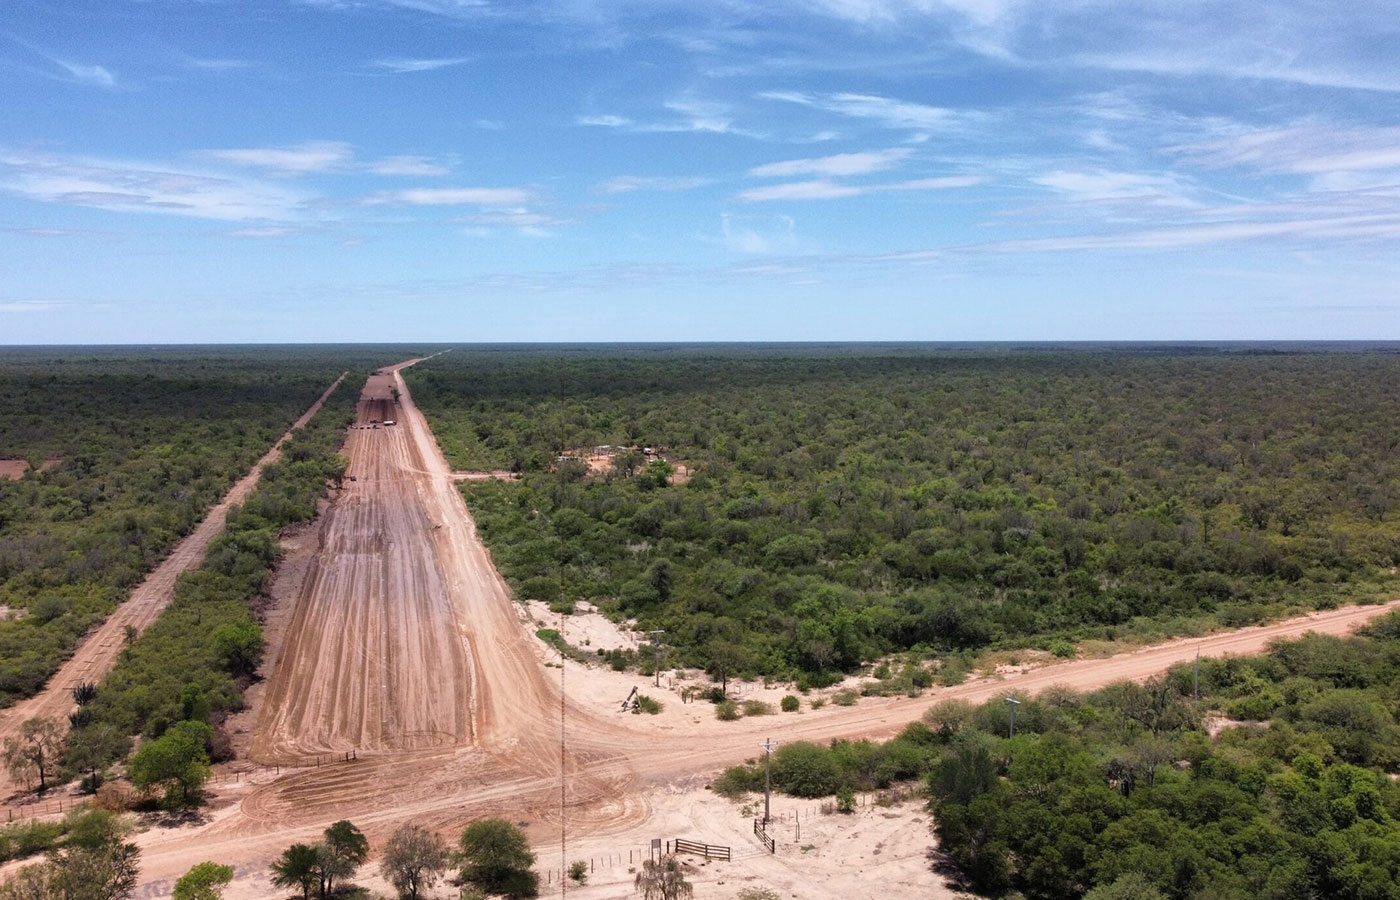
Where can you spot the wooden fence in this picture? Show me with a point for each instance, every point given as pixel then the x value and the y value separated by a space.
pixel 709 851
pixel 763 837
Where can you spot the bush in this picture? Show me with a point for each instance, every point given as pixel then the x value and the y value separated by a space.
pixel 805 770
pixel 847 697
pixel 578 871
pixel 727 711
pixel 737 781
pixel 648 705
pixel 790 703
pixel 757 708
pixel 29 838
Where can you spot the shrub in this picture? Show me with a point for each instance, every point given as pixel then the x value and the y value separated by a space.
pixel 757 708
pixel 846 697
pixel 737 781
pixel 727 711
pixel 578 871
pixel 648 705
pixel 790 703
pixel 805 770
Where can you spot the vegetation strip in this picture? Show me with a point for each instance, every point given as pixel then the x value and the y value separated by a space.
pixel 178 680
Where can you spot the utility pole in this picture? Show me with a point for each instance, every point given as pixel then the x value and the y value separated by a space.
pixel 656 654
pixel 769 745
pixel 1196 677
pixel 1011 731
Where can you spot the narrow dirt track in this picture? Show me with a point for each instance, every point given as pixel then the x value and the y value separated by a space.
pixel 97 653
pixel 405 646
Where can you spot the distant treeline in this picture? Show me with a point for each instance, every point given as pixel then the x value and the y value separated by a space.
pixel 850 503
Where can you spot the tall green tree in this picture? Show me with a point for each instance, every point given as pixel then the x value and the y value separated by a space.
pixel 497 858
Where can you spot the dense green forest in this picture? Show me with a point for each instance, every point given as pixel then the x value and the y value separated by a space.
pixel 1124 794
pixel 850 502
pixel 148 440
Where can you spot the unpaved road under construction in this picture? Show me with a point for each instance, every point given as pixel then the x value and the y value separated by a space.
pixel 404 646
pixel 97 654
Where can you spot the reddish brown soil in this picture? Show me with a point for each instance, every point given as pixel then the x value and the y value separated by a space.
pixel 13 469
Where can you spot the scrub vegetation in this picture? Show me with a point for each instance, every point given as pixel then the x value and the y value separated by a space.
pixel 849 503
pixel 1124 792
pixel 144 442
pixel 175 684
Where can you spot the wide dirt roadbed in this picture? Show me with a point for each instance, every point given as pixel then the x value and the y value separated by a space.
pixel 97 653
pixel 405 646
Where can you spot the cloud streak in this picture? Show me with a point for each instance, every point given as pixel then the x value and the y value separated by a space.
pixel 835 166
pixel 823 189
pixel 453 196
pixel 885 111
pixel 138 187
pixel 405 65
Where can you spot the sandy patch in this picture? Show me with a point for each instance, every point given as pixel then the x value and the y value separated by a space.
pixel 586 629
pixel 493 475
pixel 824 856
pixel 13 469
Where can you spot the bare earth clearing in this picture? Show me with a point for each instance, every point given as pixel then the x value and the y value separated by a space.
pixel 97 654
pixel 404 645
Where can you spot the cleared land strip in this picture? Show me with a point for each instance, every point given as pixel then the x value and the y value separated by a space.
pixel 97 653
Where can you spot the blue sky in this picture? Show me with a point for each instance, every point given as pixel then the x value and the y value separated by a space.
pixel 475 170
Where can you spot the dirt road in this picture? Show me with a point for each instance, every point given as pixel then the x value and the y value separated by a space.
pixel 405 646
pixel 97 653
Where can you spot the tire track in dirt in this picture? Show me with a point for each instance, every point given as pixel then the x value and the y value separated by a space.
pixel 373 660
pixel 98 652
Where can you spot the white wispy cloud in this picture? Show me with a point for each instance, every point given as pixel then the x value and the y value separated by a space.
pixel 404 65
pixel 455 196
pixel 886 111
pixel 265 231
pixel 32 306
pixel 623 184
pixel 1336 228
pixel 411 166
pixel 606 121
pixel 1308 149
pixel 820 189
pixel 683 115
pixel 141 187
pixel 218 65
pixel 824 189
pixel 1100 186
pixel 300 159
pixel 835 166
pixel 97 76
pixel 322 157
